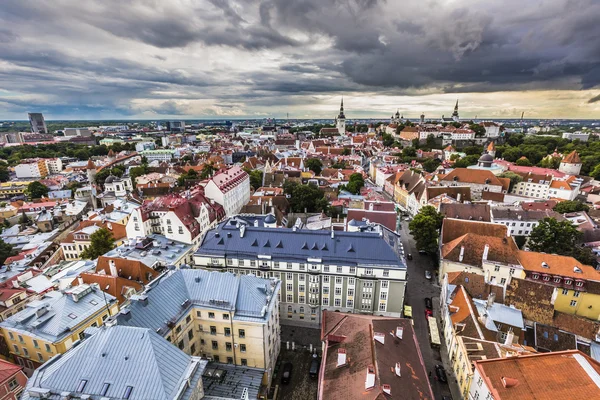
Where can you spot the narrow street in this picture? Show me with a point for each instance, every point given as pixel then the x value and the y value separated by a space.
pixel 418 288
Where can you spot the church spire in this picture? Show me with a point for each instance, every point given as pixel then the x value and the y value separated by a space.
pixel 456 106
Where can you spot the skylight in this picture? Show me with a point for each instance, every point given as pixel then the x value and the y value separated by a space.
pixel 81 386
pixel 73 316
pixel 128 391
pixel 104 389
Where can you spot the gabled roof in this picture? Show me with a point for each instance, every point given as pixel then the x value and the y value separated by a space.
pixel 121 357
pixel 354 335
pixel 454 228
pixel 8 370
pixel 556 375
pixel 557 265
pixel 468 175
pixel 472 247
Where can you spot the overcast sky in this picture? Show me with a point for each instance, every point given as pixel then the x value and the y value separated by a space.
pixel 126 59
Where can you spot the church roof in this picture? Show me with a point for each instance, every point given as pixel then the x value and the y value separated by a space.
pixel 491 146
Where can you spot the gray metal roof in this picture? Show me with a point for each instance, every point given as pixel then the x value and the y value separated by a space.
pixel 500 313
pixel 120 356
pixel 283 244
pixel 160 251
pixel 232 383
pixel 170 296
pixel 55 315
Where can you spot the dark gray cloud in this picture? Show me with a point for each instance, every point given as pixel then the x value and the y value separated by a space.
pixel 111 55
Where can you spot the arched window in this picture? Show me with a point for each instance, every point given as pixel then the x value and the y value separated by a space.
pixel 289 308
pixel 301 310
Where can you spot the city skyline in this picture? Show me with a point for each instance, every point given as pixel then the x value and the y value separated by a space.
pixel 243 60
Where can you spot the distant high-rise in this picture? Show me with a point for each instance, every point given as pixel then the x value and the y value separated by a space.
pixel 176 126
pixel 37 122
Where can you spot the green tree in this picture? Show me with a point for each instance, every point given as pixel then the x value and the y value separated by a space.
pixel 511 154
pixel 36 190
pixel 524 162
pixel 190 174
pixel 431 164
pixel 466 161
pixel 355 183
pixel 561 237
pixel 315 165
pixel 6 250
pixel 256 178
pixel 514 178
pixel 595 172
pixel 346 151
pixel 478 129
pixel 388 139
pixel 409 152
pixel 207 171
pixel 425 228
pixel 471 150
pixel 570 206
pixel 102 241
pixel 4 175
pixel 305 197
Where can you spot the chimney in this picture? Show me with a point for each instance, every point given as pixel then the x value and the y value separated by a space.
pixel 509 382
pixel 490 300
pixel 113 268
pixel 458 197
pixel 370 381
pixel 462 254
pixel 509 338
pixel 486 250
pixel 341 358
pixel 80 280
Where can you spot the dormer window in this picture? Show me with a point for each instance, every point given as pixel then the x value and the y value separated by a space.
pixel 579 284
pixel 535 276
pixel 557 279
pixel 546 278
pixel 568 281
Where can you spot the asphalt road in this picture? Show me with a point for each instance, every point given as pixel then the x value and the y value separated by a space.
pixel 417 289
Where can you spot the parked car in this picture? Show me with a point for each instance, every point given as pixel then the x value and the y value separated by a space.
pixel 427 274
pixel 428 304
pixel 409 256
pixel 428 313
pixel 286 375
pixel 440 373
pixel 314 366
pixel 422 252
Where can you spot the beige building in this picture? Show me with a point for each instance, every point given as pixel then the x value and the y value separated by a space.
pixel 218 316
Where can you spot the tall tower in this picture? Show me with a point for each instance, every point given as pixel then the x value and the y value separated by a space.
pixel 340 121
pixel 571 164
pixel 455 113
pixel 422 118
pixel 91 175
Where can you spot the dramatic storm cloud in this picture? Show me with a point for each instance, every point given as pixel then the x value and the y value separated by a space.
pixel 248 58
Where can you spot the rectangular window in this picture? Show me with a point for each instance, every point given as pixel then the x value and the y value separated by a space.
pixel 302 267
pixel 301 288
pixel 180 344
pixel 352 270
pixel 576 293
pixel 199 314
pixel 384 284
pixel 386 272
pixel 48 349
pixel 289 287
pixel 226 317
pixel 12 385
pixel 228 346
pixel 301 277
pixel 289 276
pixel 382 307
pixel 325 279
pixel 241 333
pixel 350 292
pixel 338 302
pixel 21 339
pixel 289 265
pixel 213 330
pixel 325 301
pixel 215 345
pixel 497 268
pixel 338 270
pixel 573 303
pixel 229 360
pixel 383 295
pixel 565 291
pixel 243 348
pixel 338 291
pixel 290 298
pixel 188 319
pixel 502 281
pixel 244 362
pixel 190 334
pixel 193 348
pixel 211 315
pixel 227 331
pixel 351 281
pixel 326 268
pixel 338 281
pixel 12 337
pixel 276 264
pixel 16 348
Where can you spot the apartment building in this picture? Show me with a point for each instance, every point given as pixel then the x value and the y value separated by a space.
pixel 478 247
pixel 32 169
pixel 120 362
pixel 477 179
pixel 54 323
pixel 159 155
pixel 80 239
pixel 358 272
pixel 182 218
pixel 230 188
pixel 219 316
pixel 558 375
pixel 521 222
pixel 12 381
pixel 576 286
